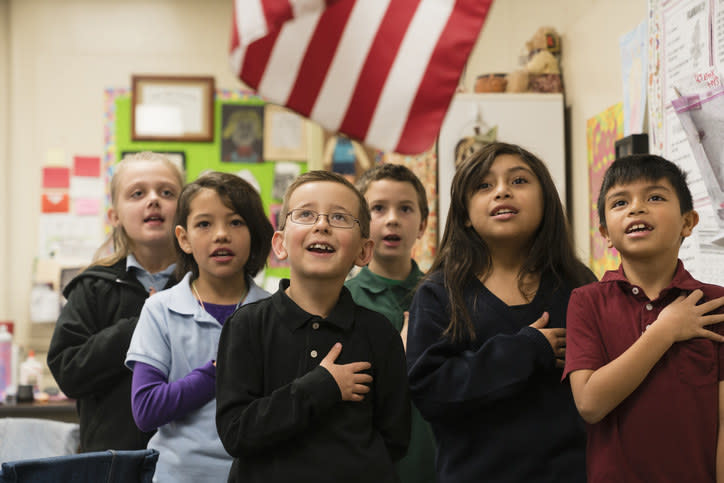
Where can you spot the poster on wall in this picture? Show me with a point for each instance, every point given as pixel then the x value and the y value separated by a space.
pixel 685 43
pixel 285 135
pixel 602 131
pixel 242 130
pixel 633 70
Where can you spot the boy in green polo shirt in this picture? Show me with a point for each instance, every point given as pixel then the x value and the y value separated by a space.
pixel 398 208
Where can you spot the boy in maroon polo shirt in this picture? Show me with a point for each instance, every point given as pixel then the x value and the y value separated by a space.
pixel 645 370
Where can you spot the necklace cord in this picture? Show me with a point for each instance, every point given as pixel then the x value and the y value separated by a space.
pixel 196 292
pixel 193 286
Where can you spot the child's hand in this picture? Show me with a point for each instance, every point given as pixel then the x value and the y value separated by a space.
pixel 682 319
pixel 351 384
pixel 403 332
pixel 556 338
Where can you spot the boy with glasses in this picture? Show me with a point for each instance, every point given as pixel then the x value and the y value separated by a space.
pixel 311 386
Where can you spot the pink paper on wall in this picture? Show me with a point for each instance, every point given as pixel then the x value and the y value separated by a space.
pixel 87 206
pixel 56 177
pixel 87 166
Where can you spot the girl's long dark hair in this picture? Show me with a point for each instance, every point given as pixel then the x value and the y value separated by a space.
pixel 463 255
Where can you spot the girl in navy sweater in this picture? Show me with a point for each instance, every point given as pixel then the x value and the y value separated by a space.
pixel 486 340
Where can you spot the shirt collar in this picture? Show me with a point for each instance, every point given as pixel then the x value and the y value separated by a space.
pixel 254 292
pixel 186 303
pixel 375 284
pixel 132 263
pixel 682 278
pixel 294 316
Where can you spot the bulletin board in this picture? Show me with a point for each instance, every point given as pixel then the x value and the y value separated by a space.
pixel 202 156
pixel 686 56
pixel 602 131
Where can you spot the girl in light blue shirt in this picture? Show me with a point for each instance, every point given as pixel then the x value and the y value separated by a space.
pixel 223 238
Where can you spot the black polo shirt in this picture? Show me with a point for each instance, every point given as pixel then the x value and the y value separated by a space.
pixel 281 415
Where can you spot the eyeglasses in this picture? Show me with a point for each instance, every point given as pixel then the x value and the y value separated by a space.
pixel 303 216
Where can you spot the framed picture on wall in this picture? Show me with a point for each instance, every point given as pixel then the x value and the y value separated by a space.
pixel 172 108
pixel 285 135
pixel 242 130
pixel 176 157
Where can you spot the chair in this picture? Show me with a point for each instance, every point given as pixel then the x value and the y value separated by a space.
pixel 97 467
pixel 24 438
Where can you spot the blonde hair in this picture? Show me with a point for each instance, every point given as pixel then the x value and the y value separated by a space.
pixel 118 238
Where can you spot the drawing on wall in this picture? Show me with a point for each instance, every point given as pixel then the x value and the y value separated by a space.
pixel 242 133
pixel 602 131
pixel 284 175
pixel 285 135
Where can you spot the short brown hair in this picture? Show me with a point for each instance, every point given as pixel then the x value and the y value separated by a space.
pixel 326 176
pixel 395 172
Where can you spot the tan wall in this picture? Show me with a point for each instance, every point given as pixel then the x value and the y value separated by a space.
pixel 63 54
pixel 4 152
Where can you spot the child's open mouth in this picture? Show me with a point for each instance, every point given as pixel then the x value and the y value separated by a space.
pixel 638 227
pixel 320 248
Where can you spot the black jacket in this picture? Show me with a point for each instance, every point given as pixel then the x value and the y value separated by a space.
pixel 87 353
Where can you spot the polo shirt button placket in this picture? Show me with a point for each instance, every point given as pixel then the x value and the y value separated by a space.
pixel 649 307
pixel 315 326
pixel 635 290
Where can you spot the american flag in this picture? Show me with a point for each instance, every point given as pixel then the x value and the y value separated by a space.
pixel 380 71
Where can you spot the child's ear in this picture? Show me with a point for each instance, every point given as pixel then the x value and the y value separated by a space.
pixel 183 240
pixel 365 253
pixel 113 217
pixel 278 245
pixel 691 219
pixel 423 227
pixel 604 233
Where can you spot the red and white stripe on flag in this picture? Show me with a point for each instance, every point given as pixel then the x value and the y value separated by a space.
pixel 380 71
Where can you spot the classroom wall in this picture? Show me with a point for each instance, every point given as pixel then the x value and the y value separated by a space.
pixel 63 54
pixel 4 149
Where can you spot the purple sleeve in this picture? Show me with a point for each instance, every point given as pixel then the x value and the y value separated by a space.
pixel 155 401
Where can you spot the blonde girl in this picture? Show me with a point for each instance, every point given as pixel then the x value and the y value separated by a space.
pixel 94 328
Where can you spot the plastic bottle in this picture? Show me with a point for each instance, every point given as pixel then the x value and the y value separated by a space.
pixel 31 372
pixel 6 358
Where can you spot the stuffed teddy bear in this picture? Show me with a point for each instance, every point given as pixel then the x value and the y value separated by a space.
pixel 545 38
pixel 541 60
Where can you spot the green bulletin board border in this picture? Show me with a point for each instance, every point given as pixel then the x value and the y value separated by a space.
pixel 200 156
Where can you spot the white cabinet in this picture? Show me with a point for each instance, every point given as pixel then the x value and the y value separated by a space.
pixel 533 121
